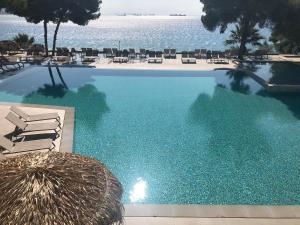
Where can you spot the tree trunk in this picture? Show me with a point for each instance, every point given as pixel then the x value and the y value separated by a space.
pixel 51 76
pixel 61 78
pixel 245 33
pixel 46 37
pixel 55 37
pixel 242 49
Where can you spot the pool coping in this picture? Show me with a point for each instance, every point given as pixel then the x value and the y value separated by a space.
pixel 213 211
pixel 66 143
pixel 270 87
pixel 274 88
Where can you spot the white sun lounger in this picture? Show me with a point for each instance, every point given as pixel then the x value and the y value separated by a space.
pixel 120 59
pixel 151 60
pixel 173 54
pixel 36 117
pixel 24 146
pixel 24 127
pixel 189 60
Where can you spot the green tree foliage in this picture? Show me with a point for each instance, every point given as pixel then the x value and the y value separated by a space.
pixel 23 40
pixel 253 37
pixel 77 11
pixel 34 11
pixel 248 13
pixel 282 16
pixel 286 26
pixel 2 4
pixel 57 11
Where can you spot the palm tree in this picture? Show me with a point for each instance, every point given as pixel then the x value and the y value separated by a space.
pixel 23 40
pixel 237 36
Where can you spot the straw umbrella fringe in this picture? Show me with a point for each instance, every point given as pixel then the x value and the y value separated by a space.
pixel 58 188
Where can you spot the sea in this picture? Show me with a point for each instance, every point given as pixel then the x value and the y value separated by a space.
pixel 150 32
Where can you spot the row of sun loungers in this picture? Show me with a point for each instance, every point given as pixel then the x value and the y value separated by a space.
pixel 157 56
pixel 7 66
pixel 218 57
pixel 33 56
pixel 261 55
pixel 24 124
pixel 211 56
pixel 89 52
pixel 89 55
pixel 62 52
pixel 124 56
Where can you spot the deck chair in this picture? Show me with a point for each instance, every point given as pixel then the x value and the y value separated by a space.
pixel 167 53
pixel 143 54
pixel 203 54
pixel 173 53
pixel 158 57
pixel 222 58
pixel 215 57
pixel 198 54
pixel 132 54
pixel 192 58
pixel 151 58
pixel 23 127
pixel 184 57
pixel 6 62
pixel 115 52
pixel 208 56
pixel 36 117
pixel 10 147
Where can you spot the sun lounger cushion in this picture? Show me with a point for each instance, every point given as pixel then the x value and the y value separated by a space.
pixel 31 127
pixel 5 143
pixel 189 60
pixel 35 117
pixel 14 147
pixel 155 60
pixel 32 145
pixel 16 121
pixel 41 126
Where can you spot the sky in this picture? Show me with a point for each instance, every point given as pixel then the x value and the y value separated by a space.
pixel 159 7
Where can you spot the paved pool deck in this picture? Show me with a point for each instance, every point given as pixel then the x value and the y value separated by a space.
pixel 206 221
pixel 168 64
pixel 211 215
pixel 176 64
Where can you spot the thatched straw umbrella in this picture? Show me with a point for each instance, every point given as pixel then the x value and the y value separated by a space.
pixel 58 188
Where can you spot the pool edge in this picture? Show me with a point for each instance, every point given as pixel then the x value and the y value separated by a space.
pixel 213 211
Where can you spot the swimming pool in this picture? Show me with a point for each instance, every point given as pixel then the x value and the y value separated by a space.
pixel 174 137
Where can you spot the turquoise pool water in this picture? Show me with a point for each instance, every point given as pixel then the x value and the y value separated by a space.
pixel 176 137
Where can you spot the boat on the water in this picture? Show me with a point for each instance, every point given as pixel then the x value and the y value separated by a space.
pixel 177 14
